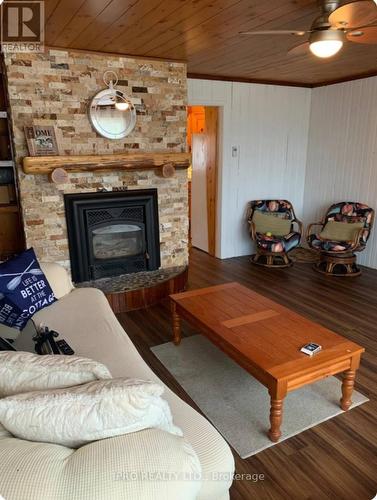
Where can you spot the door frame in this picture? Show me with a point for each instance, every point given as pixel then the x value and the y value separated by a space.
pixel 213 120
pixel 211 131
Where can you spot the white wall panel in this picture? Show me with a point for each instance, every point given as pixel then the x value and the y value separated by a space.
pixel 342 151
pixel 216 93
pixel 269 126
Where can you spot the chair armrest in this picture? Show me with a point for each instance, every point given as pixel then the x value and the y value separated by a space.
pixel 252 229
pixel 300 226
pixel 309 229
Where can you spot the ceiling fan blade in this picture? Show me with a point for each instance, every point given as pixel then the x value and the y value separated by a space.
pixel 354 14
pixel 274 32
pixel 299 50
pixel 366 35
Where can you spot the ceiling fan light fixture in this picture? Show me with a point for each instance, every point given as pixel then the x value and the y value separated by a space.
pixel 326 48
pixel 326 43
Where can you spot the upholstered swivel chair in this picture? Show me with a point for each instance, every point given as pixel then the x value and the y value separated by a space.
pixel 272 227
pixel 344 231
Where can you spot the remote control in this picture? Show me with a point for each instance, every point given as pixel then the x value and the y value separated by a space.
pixel 65 348
pixel 311 349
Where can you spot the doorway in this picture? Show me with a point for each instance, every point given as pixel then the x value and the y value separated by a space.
pixel 202 140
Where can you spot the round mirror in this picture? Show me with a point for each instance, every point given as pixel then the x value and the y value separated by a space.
pixel 112 114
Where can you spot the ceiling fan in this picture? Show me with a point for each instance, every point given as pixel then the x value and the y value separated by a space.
pixel 338 22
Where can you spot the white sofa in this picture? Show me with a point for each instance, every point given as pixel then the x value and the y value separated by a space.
pixel 149 464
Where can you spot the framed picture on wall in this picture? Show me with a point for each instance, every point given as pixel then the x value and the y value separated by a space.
pixel 41 141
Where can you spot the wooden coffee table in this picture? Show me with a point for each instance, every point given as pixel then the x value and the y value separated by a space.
pixel 265 338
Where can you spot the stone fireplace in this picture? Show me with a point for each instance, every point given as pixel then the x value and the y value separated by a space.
pixel 54 88
pixel 112 233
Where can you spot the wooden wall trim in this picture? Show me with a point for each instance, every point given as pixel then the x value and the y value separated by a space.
pixel 361 76
pixel 197 76
pixel 211 131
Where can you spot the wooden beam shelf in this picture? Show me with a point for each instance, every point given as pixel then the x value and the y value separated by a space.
pixel 166 162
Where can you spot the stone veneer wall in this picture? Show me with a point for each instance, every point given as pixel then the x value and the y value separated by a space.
pixel 55 88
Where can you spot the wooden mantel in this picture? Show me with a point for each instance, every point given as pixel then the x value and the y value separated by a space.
pixel 127 161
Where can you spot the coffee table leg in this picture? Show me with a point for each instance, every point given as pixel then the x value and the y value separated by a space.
pixel 276 417
pixel 347 388
pixel 176 324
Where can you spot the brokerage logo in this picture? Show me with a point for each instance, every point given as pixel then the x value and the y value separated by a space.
pixel 22 26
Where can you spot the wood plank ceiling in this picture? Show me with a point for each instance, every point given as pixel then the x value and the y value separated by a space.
pixel 205 34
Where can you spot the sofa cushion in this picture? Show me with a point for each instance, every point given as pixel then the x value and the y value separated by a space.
pixel 278 244
pixel 147 465
pixel 84 318
pixel 78 415
pixel 24 290
pixel 24 372
pixel 270 223
pixel 341 231
pixel 58 278
pixel 4 433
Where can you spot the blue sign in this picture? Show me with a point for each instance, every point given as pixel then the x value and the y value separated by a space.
pixel 24 290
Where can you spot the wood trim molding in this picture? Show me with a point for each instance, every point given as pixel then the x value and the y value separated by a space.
pixel 45 165
pixel 211 139
pixel 197 76
pixel 361 76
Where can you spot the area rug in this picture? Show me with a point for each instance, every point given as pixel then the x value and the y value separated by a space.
pixel 237 404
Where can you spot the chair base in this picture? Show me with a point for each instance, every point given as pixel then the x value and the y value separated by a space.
pixel 342 265
pixel 278 260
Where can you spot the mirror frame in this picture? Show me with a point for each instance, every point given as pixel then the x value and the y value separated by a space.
pixel 95 121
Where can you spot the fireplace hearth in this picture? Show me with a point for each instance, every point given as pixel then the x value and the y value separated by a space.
pixel 112 233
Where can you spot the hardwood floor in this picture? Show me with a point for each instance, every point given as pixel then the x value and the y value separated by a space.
pixel 336 459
